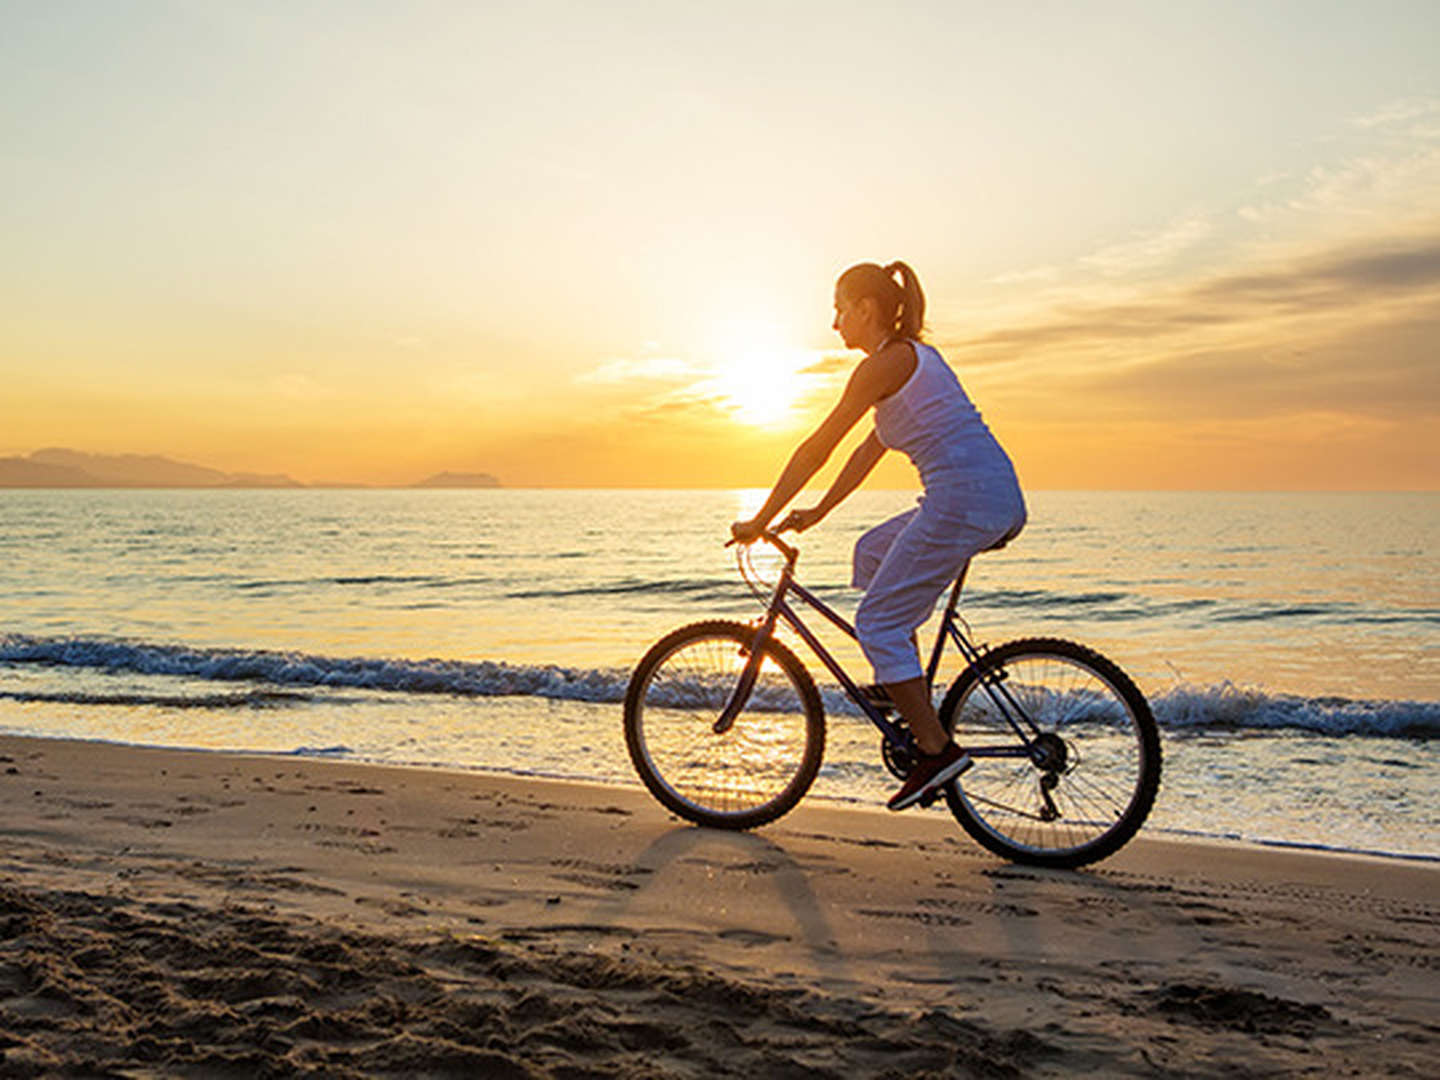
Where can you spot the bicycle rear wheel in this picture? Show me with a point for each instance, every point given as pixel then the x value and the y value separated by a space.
pixel 758 769
pixel 1097 765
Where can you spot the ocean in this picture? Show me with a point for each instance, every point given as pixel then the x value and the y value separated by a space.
pixel 1288 643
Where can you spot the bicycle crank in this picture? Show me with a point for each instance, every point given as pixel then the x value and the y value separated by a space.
pixel 899 758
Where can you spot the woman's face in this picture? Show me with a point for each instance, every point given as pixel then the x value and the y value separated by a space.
pixel 853 317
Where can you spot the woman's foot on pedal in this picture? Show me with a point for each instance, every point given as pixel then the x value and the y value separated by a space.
pixel 931 772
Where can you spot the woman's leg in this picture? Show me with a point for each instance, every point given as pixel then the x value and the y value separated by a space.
pixel 912 698
pixel 925 553
pixel 874 545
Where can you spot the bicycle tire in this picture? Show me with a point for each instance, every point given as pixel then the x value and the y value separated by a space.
pixel 753 773
pixel 1103 739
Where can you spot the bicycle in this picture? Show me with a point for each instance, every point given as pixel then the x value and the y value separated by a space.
pixel 726 728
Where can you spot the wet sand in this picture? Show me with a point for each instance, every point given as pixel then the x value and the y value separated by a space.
pixel 167 913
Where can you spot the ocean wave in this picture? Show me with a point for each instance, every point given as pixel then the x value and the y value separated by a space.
pixel 1099 605
pixel 681 587
pixel 1040 599
pixel 1225 708
pixel 1230 707
pixel 1108 606
pixel 254 699
pixel 425 581
pixel 1180 709
pixel 485 678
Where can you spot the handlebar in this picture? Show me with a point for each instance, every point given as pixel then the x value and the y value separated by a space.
pixel 772 537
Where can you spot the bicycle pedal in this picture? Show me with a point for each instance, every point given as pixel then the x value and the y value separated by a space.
pixel 929 799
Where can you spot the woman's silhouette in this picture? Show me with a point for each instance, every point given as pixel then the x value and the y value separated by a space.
pixel 971 501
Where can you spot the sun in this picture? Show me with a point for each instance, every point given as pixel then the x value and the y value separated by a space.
pixel 756 376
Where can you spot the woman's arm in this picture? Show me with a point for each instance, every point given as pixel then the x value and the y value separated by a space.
pixel 862 461
pixel 875 378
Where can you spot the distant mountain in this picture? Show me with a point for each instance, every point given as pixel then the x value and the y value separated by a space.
pixel 131 470
pixel 22 472
pixel 58 467
pixel 458 480
pixel 261 480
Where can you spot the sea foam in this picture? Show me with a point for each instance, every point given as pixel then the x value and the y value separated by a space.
pixel 1182 708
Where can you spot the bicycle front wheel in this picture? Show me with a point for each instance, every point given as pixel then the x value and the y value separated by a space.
pixel 1094 767
pixel 752 773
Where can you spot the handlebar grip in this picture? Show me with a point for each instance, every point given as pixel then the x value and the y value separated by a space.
pixel 770 536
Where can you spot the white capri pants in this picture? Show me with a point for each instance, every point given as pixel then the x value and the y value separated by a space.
pixel 905 564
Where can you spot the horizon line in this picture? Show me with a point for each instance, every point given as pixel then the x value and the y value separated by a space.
pixel 358 486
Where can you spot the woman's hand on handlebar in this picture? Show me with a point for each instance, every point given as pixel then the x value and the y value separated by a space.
pixel 800 520
pixel 746 532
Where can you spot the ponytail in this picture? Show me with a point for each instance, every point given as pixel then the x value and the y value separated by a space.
pixel 901 303
pixel 910 319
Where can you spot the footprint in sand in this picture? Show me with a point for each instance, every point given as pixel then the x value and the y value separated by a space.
pixel 469 828
pixel 597 875
pixel 359 846
pixel 924 918
pixel 980 907
pixel 335 830
pixel 82 804
pixel 1238 1010
pixel 751 938
pixel 139 821
pixel 396 908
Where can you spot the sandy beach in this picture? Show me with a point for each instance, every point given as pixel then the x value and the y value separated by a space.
pixel 167 913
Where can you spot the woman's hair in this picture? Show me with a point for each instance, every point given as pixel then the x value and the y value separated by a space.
pixel 901 303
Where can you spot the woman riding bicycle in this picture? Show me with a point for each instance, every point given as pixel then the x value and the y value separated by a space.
pixel 971 498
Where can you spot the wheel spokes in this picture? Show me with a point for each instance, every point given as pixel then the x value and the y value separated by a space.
pixel 1084 775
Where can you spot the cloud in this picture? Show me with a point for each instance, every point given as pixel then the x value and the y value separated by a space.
pixel 1416 117
pixel 633 369
pixel 754 384
pixel 1036 275
pixel 687 409
pixel 829 364
pixel 659 388
pixel 1369 184
pixel 1391 168
pixel 1346 280
pixel 1350 333
pixel 1385 371
pixel 1146 251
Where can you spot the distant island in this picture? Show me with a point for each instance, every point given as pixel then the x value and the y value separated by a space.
pixel 56 467
pixel 459 480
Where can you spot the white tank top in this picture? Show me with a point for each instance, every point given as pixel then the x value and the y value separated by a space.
pixel 933 422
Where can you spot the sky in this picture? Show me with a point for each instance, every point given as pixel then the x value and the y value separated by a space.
pixel 1179 245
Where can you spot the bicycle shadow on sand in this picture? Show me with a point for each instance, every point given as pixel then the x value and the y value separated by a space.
pixel 731 892
pixel 967 924
pixel 726 871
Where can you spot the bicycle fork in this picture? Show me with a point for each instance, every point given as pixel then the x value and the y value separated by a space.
pixel 749 675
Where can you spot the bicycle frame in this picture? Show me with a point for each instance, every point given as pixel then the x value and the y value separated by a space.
pixel 779 608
